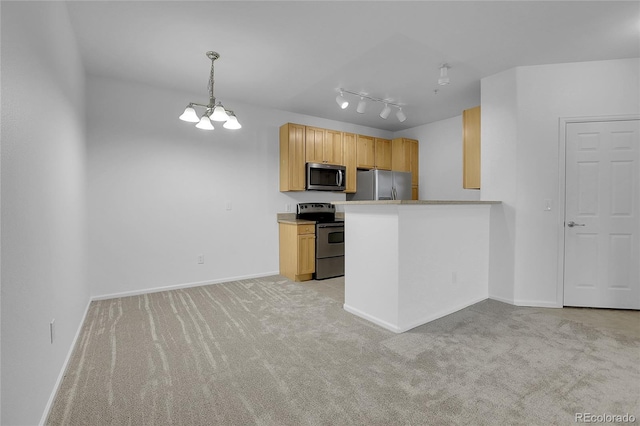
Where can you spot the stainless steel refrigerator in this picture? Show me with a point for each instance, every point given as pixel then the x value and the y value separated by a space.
pixel 381 185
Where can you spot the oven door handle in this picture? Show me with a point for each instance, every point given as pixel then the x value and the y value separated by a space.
pixel 330 225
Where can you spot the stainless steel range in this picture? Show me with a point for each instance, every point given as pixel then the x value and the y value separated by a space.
pixel 329 238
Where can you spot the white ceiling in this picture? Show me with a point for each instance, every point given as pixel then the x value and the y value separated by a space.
pixel 294 56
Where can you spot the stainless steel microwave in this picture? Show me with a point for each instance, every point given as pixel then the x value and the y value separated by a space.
pixel 326 177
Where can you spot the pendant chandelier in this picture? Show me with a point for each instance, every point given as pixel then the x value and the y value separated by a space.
pixel 213 111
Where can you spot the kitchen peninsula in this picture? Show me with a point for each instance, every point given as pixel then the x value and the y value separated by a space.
pixel 408 262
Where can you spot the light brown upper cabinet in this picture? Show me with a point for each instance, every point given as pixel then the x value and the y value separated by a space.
pixel 323 146
pixel 333 152
pixel 405 158
pixel 366 152
pixel 471 148
pixel 383 154
pixel 350 160
pixel 292 157
pixel 373 153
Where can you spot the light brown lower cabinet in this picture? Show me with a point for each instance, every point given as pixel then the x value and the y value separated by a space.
pixel 297 251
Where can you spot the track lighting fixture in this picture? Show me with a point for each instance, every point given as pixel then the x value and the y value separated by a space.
pixel 342 102
pixel 444 78
pixel 362 104
pixel 213 110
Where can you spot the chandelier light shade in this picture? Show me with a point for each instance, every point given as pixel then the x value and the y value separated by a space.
pixel 190 115
pixel 213 110
pixel 362 104
pixel 341 101
pixel 231 123
pixel 219 113
pixel 205 123
pixel 385 111
pixel 444 77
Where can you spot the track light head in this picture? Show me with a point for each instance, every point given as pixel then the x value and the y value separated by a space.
pixel 362 105
pixel 385 111
pixel 401 116
pixel 444 77
pixel 341 101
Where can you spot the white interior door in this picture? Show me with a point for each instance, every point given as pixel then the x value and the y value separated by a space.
pixel 602 255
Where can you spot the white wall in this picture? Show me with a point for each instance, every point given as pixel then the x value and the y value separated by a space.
pixel 158 189
pixel 499 176
pixel 43 204
pixel 543 95
pixel 441 160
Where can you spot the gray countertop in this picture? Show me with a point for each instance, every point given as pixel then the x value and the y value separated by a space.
pixel 291 219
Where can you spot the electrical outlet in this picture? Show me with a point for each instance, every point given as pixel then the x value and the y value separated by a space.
pixel 200 259
pixel 52 330
pixel 287 207
pixel 227 205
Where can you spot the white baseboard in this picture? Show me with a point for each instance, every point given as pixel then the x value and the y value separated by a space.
pixel 537 304
pixel 64 366
pixel 179 286
pixel 414 324
pixel 377 321
pixel 444 313
pixel 527 303
pixel 502 299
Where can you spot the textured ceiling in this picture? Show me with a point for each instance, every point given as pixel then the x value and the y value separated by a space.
pixel 295 55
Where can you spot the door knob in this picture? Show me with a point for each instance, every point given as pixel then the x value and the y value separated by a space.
pixel 572 224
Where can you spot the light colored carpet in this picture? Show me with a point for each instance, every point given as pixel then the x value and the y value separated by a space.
pixel 273 352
